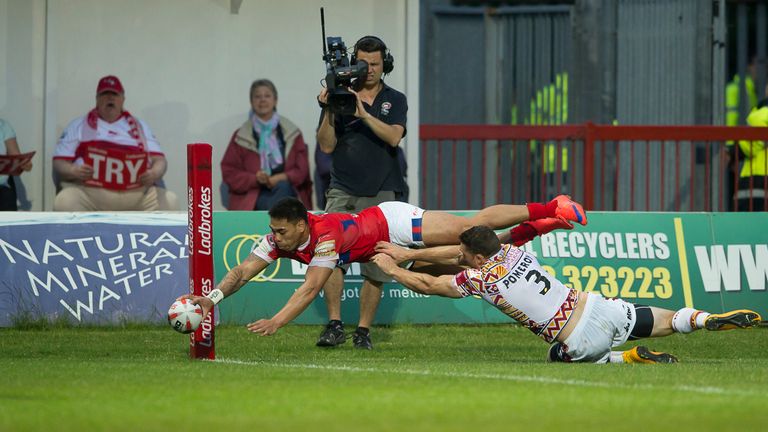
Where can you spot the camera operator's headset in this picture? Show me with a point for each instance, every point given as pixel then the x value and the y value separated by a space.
pixel 389 61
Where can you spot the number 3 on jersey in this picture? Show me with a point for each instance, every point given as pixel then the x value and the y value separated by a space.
pixel 539 279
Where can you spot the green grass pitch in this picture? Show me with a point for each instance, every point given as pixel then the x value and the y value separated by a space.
pixel 418 378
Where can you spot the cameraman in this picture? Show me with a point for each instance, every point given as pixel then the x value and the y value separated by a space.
pixel 365 172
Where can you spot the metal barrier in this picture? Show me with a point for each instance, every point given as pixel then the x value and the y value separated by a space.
pixel 627 168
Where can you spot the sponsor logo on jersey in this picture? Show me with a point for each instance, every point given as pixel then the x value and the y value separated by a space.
pixel 385 107
pixel 325 249
pixel 265 246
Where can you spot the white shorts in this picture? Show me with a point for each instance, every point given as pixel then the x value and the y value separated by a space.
pixel 604 324
pixel 404 222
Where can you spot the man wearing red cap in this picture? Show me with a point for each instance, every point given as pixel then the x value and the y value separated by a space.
pixel 110 160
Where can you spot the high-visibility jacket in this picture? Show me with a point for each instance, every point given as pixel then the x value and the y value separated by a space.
pixel 732 96
pixel 550 107
pixel 755 162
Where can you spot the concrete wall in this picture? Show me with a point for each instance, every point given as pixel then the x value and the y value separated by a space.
pixel 186 66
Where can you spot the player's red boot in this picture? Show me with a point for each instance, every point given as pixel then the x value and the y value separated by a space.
pixel 543 226
pixel 528 230
pixel 569 209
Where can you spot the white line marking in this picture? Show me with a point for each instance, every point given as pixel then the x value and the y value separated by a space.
pixel 518 378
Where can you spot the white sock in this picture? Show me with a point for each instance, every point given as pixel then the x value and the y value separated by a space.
pixel 616 357
pixel 686 320
pixel 700 318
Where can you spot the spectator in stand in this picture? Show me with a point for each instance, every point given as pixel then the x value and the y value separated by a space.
pixel 267 159
pixel 114 133
pixel 7 187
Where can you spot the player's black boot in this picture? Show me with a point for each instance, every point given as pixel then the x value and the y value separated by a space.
pixel 362 338
pixel 641 354
pixel 742 318
pixel 332 335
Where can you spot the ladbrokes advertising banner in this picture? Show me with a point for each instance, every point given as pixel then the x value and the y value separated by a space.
pixel 710 261
pixel 91 268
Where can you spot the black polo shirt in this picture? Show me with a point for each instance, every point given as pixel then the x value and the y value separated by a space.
pixel 363 164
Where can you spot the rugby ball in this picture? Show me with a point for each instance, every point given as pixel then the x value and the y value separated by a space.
pixel 184 316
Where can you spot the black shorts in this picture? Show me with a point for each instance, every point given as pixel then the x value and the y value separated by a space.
pixel 643 323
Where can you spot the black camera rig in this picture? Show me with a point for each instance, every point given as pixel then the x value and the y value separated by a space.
pixel 340 74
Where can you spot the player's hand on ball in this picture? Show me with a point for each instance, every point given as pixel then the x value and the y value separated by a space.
pixel 204 302
pixel 263 327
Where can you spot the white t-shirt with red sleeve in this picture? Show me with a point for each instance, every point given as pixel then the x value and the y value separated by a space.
pixel 118 133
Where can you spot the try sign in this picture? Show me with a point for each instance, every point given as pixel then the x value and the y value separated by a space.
pixel 114 167
pixel 11 164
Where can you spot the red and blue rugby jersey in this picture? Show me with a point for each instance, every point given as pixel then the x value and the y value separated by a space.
pixel 334 239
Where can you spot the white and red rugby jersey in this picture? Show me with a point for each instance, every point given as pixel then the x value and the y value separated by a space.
pixel 514 282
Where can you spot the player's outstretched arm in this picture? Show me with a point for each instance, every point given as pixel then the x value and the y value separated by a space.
pixel 447 255
pixel 299 301
pixel 419 282
pixel 230 283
